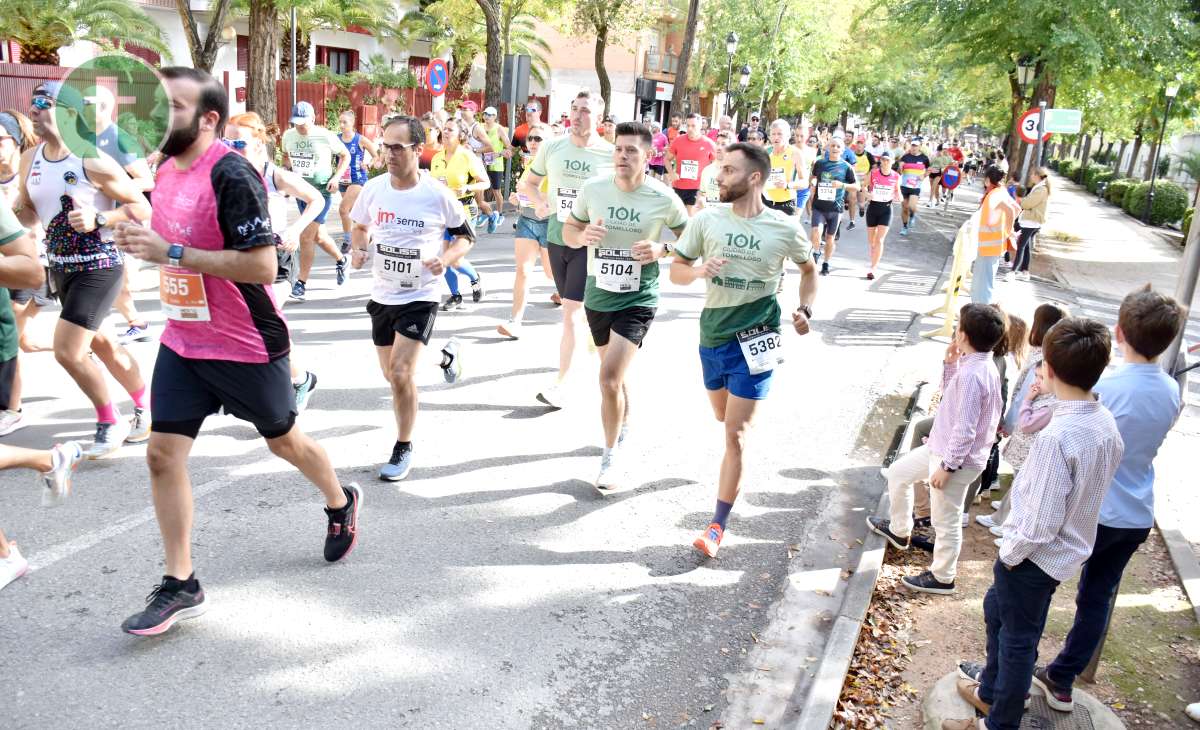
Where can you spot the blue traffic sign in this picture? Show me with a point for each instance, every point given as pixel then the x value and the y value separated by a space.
pixel 437 77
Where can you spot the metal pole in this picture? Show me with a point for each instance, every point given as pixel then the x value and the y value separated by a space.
pixel 1185 290
pixel 762 98
pixel 1041 132
pixel 293 55
pixel 511 93
pixel 728 73
pixel 1154 166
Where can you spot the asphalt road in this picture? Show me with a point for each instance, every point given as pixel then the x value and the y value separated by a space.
pixel 495 587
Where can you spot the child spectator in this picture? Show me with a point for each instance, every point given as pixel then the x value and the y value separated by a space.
pixel 1055 506
pixel 957 450
pixel 1012 345
pixel 1145 402
pixel 1044 317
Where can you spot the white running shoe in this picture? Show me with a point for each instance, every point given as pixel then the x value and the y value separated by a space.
pixel 12 567
pixel 883 472
pixel 998 530
pixel 510 329
pixel 996 505
pixel 135 334
pixel 997 542
pixel 624 434
pixel 139 426
pixel 11 421
pixel 985 520
pixel 607 479
pixel 108 438
pixel 63 459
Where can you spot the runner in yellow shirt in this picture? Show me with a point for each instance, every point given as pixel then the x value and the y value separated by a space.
pixel 780 190
pixel 459 169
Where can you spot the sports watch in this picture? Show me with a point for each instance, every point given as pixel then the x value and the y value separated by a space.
pixel 174 254
pixel 948 469
pixel 101 220
pixel 806 309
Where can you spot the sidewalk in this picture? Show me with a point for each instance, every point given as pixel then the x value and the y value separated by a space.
pixel 1109 248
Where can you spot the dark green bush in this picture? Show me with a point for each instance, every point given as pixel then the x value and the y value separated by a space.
pixel 1187 222
pixel 1092 175
pixel 1117 189
pixel 1170 201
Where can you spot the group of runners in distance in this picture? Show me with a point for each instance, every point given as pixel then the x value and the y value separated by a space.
pixel 593 199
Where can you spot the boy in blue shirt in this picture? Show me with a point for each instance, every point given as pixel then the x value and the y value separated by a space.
pixel 1145 402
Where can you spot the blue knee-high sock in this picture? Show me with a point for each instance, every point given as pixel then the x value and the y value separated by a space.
pixel 722 513
pixel 452 280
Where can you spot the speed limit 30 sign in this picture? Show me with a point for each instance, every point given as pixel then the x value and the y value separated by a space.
pixel 1027 127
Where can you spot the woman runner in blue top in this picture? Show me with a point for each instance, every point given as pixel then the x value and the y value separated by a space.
pixel 356 172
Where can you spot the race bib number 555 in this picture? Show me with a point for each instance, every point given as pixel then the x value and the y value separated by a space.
pixel 183 296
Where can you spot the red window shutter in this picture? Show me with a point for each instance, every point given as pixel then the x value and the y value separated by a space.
pixel 353 60
pixel 243 53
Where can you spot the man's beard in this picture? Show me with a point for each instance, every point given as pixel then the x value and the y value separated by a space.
pixel 734 191
pixel 180 140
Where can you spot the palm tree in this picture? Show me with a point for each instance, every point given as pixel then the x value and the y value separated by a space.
pixel 42 27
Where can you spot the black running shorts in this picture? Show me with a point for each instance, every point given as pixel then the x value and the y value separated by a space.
pixel 879 214
pixel 632 323
pixel 787 207
pixel 413 320
pixel 87 296
pixel 185 391
pixel 569 266
pixel 687 196
pixel 8 376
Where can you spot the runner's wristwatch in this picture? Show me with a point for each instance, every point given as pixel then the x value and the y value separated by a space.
pixel 806 309
pixel 101 220
pixel 948 469
pixel 174 254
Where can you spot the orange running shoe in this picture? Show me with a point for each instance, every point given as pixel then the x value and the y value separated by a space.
pixel 710 540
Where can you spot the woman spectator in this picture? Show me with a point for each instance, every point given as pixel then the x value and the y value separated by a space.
pixel 1033 216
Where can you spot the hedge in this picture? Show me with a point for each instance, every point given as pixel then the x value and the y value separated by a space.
pixel 1054 163
pixel 1068 167
pixel 1094 174
pixel 1117 189
pixel 1187 221
pixel 1170 201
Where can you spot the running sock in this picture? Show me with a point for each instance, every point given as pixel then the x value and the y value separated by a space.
pixel 722 513
pixel 139 397
pixel 404 446
pixel 299 379
pixel 189 584
pixel 607 452
pixel 106 413
pixel 301 282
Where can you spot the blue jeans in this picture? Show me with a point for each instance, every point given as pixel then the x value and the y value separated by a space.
pixel 463 267
pixel 983 278
pixel 1025 248
pixel 1014 611
pixel 1097 585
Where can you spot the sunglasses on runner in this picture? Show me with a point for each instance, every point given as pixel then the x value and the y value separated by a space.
pixel 534 138
pixel 234 144
pixel 42 102
pixel 399 147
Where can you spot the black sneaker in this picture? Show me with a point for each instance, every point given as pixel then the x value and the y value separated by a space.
pixel 1057 696
pixel 883 528
pixel 923 542
pixel 345 247
pixel 824 268
pixel 340 269
pixel 926 583
pixel 170 601
pixel 454 301
pixel 477 291
pixel 922 523
pixel 850 226
pixel 343 525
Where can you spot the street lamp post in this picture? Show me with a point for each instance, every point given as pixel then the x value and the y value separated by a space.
pixel 1025 72
pixel 744 79
pixel 1171 90
pixel 731 44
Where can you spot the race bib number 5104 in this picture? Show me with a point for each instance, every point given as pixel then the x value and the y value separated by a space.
pixel 616 271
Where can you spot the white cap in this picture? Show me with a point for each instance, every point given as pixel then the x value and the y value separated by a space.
pixel 491 110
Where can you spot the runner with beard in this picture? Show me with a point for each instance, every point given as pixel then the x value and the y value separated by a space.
pixel 740 252
pixel 225 344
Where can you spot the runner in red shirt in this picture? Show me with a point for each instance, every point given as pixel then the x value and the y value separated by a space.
pixel 673 130
pixel 954 151
pixel 687 156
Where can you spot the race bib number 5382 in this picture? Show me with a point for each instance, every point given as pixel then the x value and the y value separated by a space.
pixel 762 347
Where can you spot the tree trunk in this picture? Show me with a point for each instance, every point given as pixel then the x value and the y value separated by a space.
pixel 1116 164
pixel 1087 151
pixel 685 56
pixel 1137 148
pixel 204 55
pixel 260 74
pixel 494 65
pixel 602 73
pixel 1016 109
pixel 460 73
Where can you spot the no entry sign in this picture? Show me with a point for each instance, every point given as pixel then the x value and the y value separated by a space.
pixel 437 77
pixel 951 176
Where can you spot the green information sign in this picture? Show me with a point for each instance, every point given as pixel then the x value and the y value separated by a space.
pixel 113 102
pixel 1063 121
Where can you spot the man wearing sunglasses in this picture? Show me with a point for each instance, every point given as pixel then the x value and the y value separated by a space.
pixel 533 118
pixel 226 344
pixel 411 228
pixel 75 199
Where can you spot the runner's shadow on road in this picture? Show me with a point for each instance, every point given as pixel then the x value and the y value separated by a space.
pixel 476 380
pixel 448 470
pixel 913 285
pixel 520 413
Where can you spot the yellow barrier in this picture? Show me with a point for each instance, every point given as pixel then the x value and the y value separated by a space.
pixel 960 268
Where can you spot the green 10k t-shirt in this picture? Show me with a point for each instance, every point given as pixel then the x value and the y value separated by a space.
pixel 755 249
pixel 567 167
pixel 615 281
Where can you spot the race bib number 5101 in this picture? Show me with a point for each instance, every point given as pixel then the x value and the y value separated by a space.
pixel 762 347
pixel 399 267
